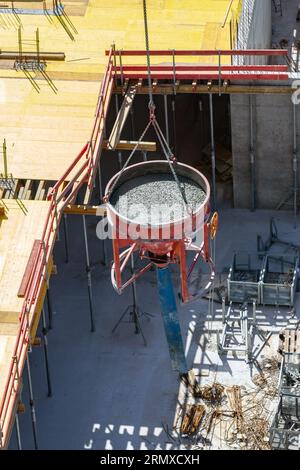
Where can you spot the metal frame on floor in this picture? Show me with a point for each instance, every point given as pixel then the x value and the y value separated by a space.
pixel 285 429
pixel 237 333
pixel 251 277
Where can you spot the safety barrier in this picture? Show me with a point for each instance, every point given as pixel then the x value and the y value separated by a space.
pixel 82 170
pixel 193 71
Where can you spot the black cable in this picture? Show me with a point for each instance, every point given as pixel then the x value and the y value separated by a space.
pixel 151 102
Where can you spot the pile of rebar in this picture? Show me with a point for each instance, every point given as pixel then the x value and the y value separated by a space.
pixel 232 417
pixel 245 276
pixel 212 393
pixel 279 278
pixel 267 378
pixel 250 425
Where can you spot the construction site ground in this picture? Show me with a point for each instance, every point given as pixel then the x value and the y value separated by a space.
pixel 109 390
pixel 112 392
pixel 45 128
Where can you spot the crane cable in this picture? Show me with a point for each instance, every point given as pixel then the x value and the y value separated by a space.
pixel 151 102
pixel 164 144
pixel 167 151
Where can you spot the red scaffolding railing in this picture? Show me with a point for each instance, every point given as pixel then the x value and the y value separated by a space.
pixel 83 170
pixel 198 52
pixel 195 71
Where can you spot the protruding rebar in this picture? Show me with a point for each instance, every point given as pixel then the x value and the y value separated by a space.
pixel 166 118
pixel 50 309
pixel 45 331
pixel 18 433
pixel 65 222
pixel 213 153
pixel 89 275
pixel 252 156
pixel 5 159
pixel 104 261
pixel 31 402
pixel 295 165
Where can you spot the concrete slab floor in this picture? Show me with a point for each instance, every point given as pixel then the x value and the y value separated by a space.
pixel 110 391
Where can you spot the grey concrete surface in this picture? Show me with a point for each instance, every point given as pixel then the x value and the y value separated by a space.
pixel 273 124
pixel 286 26
pixel 255 29
pixel 273 149
pixel 110 391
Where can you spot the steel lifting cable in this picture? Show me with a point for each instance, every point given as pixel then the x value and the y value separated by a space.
pixel 127 161
pixel 170 158
pixel 211 292
pixel 164 144
pixel 210 302
pixel 151 102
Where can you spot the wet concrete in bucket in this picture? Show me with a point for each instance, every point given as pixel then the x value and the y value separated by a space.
pixel 155 198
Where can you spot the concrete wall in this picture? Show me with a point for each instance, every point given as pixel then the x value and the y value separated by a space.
pixel 273 124
pixel 260 34
pixel 273 144
pixel 255 27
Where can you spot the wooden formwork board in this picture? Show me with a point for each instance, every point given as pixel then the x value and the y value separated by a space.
pixel 45 131
pixel 18 231
pixel 121 118
pixel 188 409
